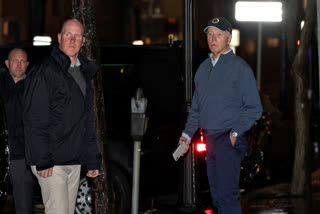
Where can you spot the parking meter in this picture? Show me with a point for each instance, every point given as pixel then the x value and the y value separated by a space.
pixel 138 128
pixel 138 117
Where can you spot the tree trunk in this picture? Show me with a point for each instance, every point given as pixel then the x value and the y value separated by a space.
pixel 301 174
pixel 83 10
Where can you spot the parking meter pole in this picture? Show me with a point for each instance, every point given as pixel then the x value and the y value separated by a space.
pixel 136 177
pixel 138 128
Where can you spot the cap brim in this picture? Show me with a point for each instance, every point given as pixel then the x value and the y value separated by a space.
pixel 205 30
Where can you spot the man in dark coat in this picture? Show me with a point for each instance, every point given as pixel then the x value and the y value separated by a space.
pixel 59 121
pixel 11 92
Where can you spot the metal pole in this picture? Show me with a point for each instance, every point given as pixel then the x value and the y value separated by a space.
pixel 1 22
pixel 190 196
pixel 188 40
pixel 189 193
pixel 259 47
pixel 282 101
pixel 136 175
pixel 318 29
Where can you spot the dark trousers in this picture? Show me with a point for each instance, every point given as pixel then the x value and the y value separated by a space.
pixel 22 185
pixel 223 169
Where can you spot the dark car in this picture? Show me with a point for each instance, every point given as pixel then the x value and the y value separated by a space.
pixel 157 70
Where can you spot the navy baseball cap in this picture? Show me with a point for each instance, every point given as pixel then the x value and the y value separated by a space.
pixel 221 23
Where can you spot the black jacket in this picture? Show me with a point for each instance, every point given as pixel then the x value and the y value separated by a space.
pixel 58 120
pixel 11 94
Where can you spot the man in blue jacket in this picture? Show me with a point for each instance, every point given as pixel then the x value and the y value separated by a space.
pixel 225 105
pixel 11 92
pixel 59 121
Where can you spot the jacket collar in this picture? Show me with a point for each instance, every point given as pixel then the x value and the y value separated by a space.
pixel 63 60
pixel 9 78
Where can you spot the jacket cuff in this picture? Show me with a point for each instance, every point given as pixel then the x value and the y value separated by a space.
pixel 88 167
pixel 187 137
pixel 40 168
pixel 239 131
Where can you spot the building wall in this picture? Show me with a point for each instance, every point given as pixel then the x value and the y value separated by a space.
pixel 14 21
pixel 118 21
pixel 111 19
pixel 57 11
pixel 205 10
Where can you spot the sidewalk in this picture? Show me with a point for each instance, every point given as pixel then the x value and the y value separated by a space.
pixel 273 199
pixel 276 199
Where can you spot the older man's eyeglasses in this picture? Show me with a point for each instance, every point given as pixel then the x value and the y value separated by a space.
pixel 69 35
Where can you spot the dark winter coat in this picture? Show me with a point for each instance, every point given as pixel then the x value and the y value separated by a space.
pixel 11 94
pixel 58 119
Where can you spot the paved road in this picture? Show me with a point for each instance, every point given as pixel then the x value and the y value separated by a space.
pixel 273 199
pixel 262 204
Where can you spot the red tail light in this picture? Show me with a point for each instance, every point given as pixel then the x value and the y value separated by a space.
pixel 201 147
pixel 208 211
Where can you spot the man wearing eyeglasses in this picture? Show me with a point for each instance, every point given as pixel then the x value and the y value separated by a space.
pixel 11 92
pixel 59 121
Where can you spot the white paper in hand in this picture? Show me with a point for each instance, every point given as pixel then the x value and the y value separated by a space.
pixel 178 151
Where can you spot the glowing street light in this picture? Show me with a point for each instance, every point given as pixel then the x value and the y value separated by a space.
pixel 258 11
pixel 42 41
pixel 137 42
pixel 235 41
